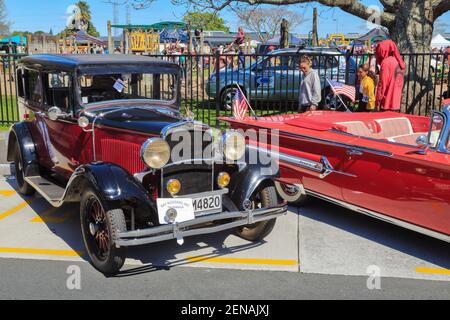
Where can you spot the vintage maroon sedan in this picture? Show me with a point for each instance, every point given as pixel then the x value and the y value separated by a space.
pixel 106 131
pixel 391 166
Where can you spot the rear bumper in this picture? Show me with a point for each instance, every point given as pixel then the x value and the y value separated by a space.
pixel 197 226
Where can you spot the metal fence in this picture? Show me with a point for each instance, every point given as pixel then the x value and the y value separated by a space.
pixel 9 113
pixel 270 82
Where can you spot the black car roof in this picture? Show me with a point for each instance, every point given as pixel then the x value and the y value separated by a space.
pixel 72 62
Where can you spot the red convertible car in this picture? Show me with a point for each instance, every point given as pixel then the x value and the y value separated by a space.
pixel 391 166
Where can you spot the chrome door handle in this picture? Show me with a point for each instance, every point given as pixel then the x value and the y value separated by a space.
pixel 353 152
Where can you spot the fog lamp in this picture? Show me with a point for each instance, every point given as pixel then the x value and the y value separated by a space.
pixel 173 186
pixel 223 179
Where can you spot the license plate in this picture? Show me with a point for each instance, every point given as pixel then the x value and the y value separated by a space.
pixel 209 204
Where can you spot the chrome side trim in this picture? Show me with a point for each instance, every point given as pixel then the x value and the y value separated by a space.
pixel 382 217
pixel 301 162
pixel 324 167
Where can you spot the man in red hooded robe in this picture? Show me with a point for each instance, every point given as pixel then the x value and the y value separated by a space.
pixel 390 84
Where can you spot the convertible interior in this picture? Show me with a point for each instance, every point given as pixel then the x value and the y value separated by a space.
pixel 390 126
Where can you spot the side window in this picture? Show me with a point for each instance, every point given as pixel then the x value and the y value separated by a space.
pixel 33 86
pixel 20 88
pixel 57 90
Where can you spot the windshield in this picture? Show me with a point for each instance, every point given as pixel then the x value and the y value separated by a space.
pixel 107 87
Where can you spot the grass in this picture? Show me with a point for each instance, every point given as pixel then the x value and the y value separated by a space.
pixel 8 112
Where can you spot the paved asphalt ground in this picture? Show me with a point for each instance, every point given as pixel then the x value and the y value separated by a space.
pixel 317 252
pixel 27 279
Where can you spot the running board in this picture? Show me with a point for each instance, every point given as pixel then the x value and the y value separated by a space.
pixel 49 190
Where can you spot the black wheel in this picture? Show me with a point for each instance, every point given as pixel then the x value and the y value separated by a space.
pixel 24 188
pixel 227 97
pixel 266 198
pixel 100 229
pixel 292 194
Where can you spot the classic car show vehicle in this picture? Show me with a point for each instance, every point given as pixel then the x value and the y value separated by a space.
pixel 391 166
pixel 106 131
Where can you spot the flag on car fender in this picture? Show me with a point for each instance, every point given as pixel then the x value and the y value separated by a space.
pixel 240 106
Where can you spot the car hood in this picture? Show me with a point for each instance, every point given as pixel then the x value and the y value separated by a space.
pixel 144 119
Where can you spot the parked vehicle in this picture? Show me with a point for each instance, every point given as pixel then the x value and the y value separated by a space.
pixel 276 76
pixel 104 130
pixel 390 166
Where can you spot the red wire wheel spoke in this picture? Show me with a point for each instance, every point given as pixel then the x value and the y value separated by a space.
pixel 97 217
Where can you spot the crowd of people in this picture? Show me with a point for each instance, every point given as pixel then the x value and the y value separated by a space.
pixel 380 86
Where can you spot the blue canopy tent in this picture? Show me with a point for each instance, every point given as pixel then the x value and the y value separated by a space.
pixel 170 35
pixel 14 40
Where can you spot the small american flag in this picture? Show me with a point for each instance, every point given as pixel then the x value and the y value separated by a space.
pixel 240 106
pixel 340 88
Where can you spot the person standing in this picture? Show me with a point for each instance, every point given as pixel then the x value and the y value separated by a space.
pixel 239 40
pixel 310 87
pixel 391 78
pixel 367 89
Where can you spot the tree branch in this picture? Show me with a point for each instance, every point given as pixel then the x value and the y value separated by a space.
pixel 440 7
pixel 354 7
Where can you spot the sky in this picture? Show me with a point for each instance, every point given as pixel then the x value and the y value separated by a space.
pixel 43 15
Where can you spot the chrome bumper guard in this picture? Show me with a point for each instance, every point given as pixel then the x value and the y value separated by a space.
pixel 194 227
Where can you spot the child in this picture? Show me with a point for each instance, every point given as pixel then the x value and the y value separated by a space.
pixel 367 89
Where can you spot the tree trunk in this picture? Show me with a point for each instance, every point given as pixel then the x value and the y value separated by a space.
pixel 284 34
pixel 412 32
pixel 413 27
pixel 315 32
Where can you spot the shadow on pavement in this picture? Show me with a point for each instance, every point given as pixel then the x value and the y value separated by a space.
pixel 412 243
pixel 64 223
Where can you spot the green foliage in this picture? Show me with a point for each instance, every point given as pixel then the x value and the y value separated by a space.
pixel 206 20
pixel 85 11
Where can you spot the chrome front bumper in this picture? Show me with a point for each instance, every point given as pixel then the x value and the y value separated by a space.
pixel 196 226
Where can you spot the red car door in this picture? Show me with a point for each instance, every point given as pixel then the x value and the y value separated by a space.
pixel 397 183
pixel 317 150
pixel 67 143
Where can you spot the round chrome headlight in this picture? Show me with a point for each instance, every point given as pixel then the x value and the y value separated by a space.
pixel 155 153
pixel 233 145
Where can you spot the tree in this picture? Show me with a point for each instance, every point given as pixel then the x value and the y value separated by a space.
pixel 85 19
pixel 266 21
pixel 4 24
pixel 206 21
pixel 410 22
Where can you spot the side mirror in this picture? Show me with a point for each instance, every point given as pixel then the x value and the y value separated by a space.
pixel 54 113
pixel 422 144
pixel 422 141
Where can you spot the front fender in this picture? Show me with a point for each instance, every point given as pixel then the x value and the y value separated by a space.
pixel 20 135
pixel 250 179
pixel 115 186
